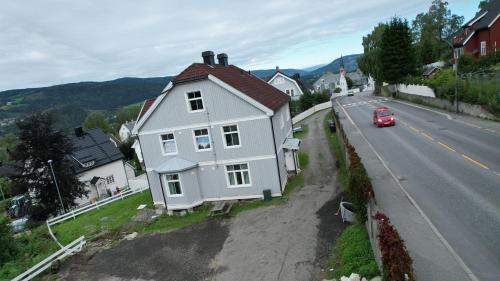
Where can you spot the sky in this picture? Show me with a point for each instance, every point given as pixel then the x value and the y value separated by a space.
pixel 51 42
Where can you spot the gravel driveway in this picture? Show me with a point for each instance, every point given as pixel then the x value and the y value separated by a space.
pixel 290 241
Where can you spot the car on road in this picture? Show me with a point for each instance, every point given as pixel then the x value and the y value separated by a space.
pixel 350 93
pixel 382 116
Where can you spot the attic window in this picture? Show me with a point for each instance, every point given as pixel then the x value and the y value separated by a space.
pixel 88 164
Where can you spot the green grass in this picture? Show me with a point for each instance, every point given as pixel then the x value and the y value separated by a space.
pixel 303 160
pixel 353 253
pixel 334 143
pixel 107 219
pixel 303 134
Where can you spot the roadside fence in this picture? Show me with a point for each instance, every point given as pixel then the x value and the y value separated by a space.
pixel 303 115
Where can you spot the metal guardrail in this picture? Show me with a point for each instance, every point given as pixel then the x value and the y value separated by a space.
pixel 71 248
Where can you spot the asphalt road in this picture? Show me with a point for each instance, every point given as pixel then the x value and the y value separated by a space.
pixel 450 167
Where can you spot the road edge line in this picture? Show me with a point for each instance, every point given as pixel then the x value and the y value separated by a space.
pixel 427 220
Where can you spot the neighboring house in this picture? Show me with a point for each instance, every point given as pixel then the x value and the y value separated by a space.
pixel 431 71
pixel 286 84
pixel 328 81
pixel 137 148
pixel 481 35
pixel 215 133
pixel 98 163
pixel 358 78
pixel 126 130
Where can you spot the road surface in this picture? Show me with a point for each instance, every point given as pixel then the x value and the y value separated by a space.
pixel 450 167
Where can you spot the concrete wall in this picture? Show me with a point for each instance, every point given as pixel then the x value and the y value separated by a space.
pixel 303 115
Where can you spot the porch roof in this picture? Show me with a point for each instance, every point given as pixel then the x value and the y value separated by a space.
pixel 175 164
pixel 291 144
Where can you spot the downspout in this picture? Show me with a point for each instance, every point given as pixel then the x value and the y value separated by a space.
pixel 162 191
pixel 276 153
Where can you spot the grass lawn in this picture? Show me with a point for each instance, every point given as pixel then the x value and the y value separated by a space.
pixel 303 134
pixel 334 143
pixel 353 253
pixel 165 222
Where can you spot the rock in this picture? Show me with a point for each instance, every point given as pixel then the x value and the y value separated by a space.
pixel 364 279
pixel 378 278
pixel 131 236
pixel 343 278
pixel 354 277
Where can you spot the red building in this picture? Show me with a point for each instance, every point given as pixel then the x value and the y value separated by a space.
pixel 480 35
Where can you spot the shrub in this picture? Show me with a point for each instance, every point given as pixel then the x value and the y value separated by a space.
pixel 360 187
pixel 7 248
pixel 397 263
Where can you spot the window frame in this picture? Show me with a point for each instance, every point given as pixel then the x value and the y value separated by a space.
pixel 226 175
pixel 161 144
pixel 224 136
pixel 110 179
pixel 167 187
pixel 482 47
pixel 188 104
pixel 209 139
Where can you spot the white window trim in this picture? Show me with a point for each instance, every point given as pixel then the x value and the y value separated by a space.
pixel 227 176
pixel 161 144
pixel 165 185
pixel 483 44
pixel 189 105
pixel 209 140
pixel 224 136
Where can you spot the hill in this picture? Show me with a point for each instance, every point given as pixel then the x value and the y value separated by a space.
pixel 269 72
pixel 350 65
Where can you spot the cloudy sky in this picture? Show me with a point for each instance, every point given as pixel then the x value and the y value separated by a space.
pixel 50 42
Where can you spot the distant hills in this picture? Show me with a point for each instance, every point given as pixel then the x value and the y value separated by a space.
pixel 71 102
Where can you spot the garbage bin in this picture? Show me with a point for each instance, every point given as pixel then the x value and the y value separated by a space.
pixel 331 125
pixel 267 195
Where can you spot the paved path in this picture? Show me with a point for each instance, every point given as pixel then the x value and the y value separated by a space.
pixel 283 242
pixel 450 166
pixel 289 241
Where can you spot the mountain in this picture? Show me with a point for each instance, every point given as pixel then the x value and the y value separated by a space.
pixel 269 72
pixel 350 65
pixel 314 67
pixel 72 101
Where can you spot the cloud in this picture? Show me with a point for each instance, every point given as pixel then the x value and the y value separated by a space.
pixel 52 42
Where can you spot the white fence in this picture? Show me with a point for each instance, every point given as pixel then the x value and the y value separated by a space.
pixel 69 249
pixel 76 212
pixel 303 115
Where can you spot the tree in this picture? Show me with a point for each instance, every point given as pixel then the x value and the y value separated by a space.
pixel 38 143
pixel 127 150
pixel 369 62
pixel 306 101
pixel 96 120
pixel 483 4
pixel 349 82
pixel 125 114
pixel 8 247
pixel 7 142
pixel 397 53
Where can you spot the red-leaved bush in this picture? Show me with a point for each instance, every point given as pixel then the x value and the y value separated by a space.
pixel 396 261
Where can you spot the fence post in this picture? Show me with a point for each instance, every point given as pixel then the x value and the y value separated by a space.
pixel 121 195
pixel 73 213
pixel 96 205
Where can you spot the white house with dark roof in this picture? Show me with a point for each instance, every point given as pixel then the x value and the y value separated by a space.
pixel 98 163
pixel 286 84
pixel 216 133
pixel 126 130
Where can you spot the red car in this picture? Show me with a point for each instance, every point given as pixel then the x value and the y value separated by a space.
pixel 382 116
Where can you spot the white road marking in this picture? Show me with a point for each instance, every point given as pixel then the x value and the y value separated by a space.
pixel 431 225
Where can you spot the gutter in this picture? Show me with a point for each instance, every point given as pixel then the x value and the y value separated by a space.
pixel 276 153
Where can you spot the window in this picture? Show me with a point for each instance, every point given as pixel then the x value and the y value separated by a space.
pixel 173 184
pixel 110 179
pixel 238 175
pixel 168 144
pixel 483 48
pixel 231 136
pixel 202 139
pixel 292 92
pixel 287 92
pixel 195 101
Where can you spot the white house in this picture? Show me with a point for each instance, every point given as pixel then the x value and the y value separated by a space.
pixel 286 84
pixel 137 148
pixel 216 133
pixel 126 130
pixel 98 163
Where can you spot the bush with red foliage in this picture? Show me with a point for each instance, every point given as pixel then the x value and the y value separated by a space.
pixel 360 187
pixel 396 261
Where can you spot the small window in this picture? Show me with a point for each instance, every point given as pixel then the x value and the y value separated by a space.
pixel 287 92
pixel 173 184
pixel 292 92
pixel 238 175
pixel 168 144
pixel 202 139
pixel 231 136
pixel 195 101
pixel 483 48
pixel 110 179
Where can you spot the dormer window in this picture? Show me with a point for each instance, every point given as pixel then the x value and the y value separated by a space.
pixel 195 101
pixel 88 164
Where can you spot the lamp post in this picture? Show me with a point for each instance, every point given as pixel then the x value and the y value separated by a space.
pixel 455 69
pixel 55 181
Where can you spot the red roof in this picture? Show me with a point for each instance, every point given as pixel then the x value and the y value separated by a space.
pixel 239 79
pixel 147 104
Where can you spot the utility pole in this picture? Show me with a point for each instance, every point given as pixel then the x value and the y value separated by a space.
pixel 57 187
pixel 455 69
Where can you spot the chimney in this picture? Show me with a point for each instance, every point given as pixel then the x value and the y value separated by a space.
pixel 208 57
pixel 277 68
pixel 222 58
pixel 79 132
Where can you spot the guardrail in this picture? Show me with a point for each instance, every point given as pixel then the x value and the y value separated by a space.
pixel 71 248
pixel 303 115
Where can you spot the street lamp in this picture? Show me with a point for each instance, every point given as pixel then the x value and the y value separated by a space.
pixel 55 181
pixel 455 68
